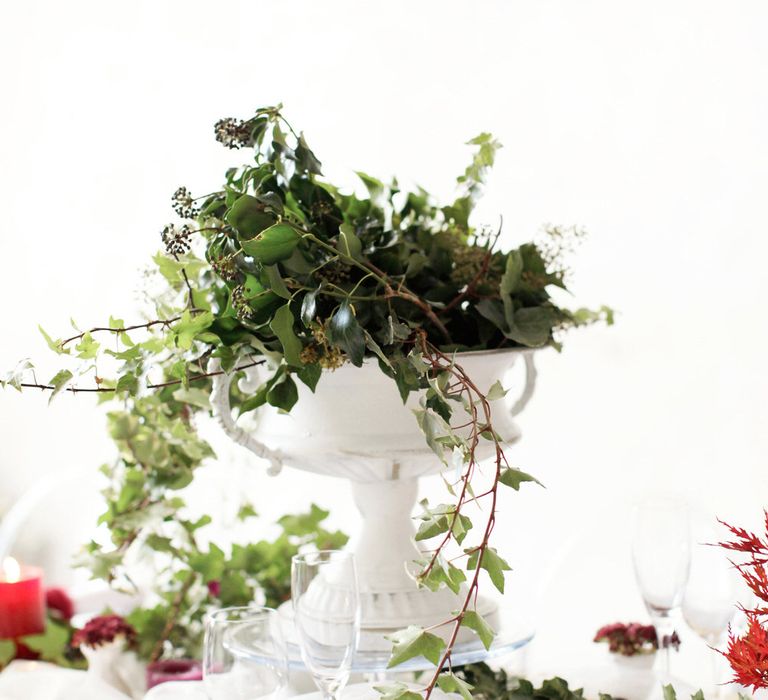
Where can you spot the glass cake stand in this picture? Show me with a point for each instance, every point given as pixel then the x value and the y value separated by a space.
pixel 515 631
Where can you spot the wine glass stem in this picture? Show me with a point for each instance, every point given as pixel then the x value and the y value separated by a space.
pixel 664 631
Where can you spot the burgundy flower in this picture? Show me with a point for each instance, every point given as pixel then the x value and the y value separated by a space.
pixel 103 630
pixel 59 604
pixel 214 588
pixel 633 638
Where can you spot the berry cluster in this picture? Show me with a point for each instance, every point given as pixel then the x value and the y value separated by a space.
pixel 183 204
pixel 176 239
pixel 234 133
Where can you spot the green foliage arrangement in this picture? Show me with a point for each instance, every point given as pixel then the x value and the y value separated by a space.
pixel 487 684
pixel 281 267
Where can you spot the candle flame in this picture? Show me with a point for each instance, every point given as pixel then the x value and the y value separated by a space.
pixel 11 570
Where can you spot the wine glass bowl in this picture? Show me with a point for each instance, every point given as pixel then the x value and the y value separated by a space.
pixel 326 606
pixel 661 554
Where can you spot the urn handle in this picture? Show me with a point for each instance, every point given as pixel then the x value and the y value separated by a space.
pixel 530 384
pixel 222 411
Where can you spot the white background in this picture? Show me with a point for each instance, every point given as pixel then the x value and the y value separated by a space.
pixel 643 122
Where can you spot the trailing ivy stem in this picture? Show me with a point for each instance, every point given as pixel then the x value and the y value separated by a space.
pixel 173 615
pixel 105 329
pixel 440 361
pixel 161 385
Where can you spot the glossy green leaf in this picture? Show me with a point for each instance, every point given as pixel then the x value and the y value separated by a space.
pixel 309 307
pixel 310 375
pixel 282 325
pixel 273 244
pixel 247 215
pixel 276 282
pixel 346 333
pixel 283 394
pixel 512 273
pixel 349 245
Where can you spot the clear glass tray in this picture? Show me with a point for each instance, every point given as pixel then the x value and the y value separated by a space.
pixel 515 631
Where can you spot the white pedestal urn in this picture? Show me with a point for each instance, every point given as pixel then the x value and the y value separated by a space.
pixel 355 426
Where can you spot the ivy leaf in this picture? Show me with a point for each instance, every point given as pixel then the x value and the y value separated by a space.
pixel 282 325
pixel 514 477
pixel 273 244
pixel 276 283
pixel 15 377
pixel 246 511
pixel 87 348
pixel 444 573
pixel 54 345
pixel 189 327
pixel 533 325
pixel 373 346
pixel 374 186
pixel 310 375
pixel 59 381
pixel 496 392
pixel 309 307
pixel 51 644
pixel 450 683
pixel 247 215
pixel 413 642
pixel 209 564
pixel 260 397
pixel 349 245
pixel 7 651
pixel 512 273
pixel 346 333
pixel 477 624
pixel 397 691
pixel 306 159
pixel 492 563
pixel 669 692
pixel 284 394
pixel 433 428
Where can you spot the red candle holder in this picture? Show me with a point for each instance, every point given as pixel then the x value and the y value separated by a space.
pixel 22 601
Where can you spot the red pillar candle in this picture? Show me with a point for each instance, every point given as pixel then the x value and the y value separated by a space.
pixel 22 601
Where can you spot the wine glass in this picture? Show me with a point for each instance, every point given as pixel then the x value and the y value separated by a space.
pixel 244 655
pixel 661 553
pixel 326 607
pixel 710 602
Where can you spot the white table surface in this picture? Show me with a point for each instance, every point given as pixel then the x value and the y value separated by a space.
pixel 33 680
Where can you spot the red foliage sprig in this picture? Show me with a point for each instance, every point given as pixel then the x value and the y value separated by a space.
pixel 748 654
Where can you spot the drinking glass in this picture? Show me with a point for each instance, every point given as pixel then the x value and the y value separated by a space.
pixel 244 655
pixel 661 553
pixel 712 593
pixel 326 607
